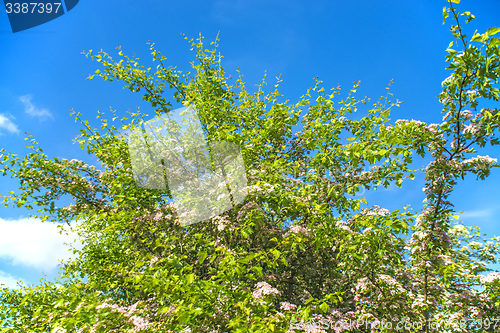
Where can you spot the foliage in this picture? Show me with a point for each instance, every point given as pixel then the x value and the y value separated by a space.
pixel 301 248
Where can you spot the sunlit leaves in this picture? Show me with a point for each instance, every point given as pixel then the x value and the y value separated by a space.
pixel 305 234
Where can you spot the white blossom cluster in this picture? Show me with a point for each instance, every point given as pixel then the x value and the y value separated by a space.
pixel 221 222
pixel 447 115
pixel 491 277
pixel 263 288
pixel 472 93
pixel 262 189
pixel 343 225
pixel 447 80
pixel 365 176
pixel 413 121
pixel 481 162
pixel 297 229
pixel 472 128
pixel 153 261
pixel 432 128
pixel 139 323
pixel 376 211
pixel 287 306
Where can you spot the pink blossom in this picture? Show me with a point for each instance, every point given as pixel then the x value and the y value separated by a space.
pixel 491 277
pixel 287 306
pixel 264 288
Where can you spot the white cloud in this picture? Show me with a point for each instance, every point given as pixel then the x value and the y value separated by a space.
pixel 7 124
pixel 8 280
pixel 32 243
pixel 32 110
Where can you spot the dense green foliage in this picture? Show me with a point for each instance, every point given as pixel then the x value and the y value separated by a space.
pixel 301 247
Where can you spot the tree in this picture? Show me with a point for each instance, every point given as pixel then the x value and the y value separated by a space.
pixel 301 250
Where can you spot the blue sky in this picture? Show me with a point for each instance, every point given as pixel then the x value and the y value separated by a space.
pixel 42 76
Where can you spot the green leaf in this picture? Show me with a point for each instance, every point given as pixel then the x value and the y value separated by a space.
pixel 493 31
pixel 202 256
pixel 276 253
pixel 258 270
pixel 190 278
pixel 477 37
pixel 445 16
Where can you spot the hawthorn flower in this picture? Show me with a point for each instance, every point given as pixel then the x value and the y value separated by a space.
pixel 264 288
pixel 444 100
pixel 447 115
pixel 253 172
pixel 343 225
pixel 481 162
pixel 221 222
pixel 139 323
pixel 376 211
pixel 475 244
pixel 447 80
pixel 472 93
pixel 444 259
pixel 472 128
pixel 491 277
pixel 287 306
pixel 297 229
pixel 417 122
pixel 484 110
pixel 466 114
pixel 254 189
pixel 153 261
pixel 413 121
pixel 362 284
pixel 419 302
pixel 459 229
pixel 432 128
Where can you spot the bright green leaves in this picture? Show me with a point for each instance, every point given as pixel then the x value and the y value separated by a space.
pixel 189 278
pixel 300 230
pixel 478 37
pixel 492 31
pixel 202 256
pixel 445 14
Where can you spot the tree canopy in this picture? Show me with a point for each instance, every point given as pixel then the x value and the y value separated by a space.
pixel 302 251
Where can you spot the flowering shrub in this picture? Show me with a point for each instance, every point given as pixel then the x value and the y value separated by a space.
pixel 300 253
